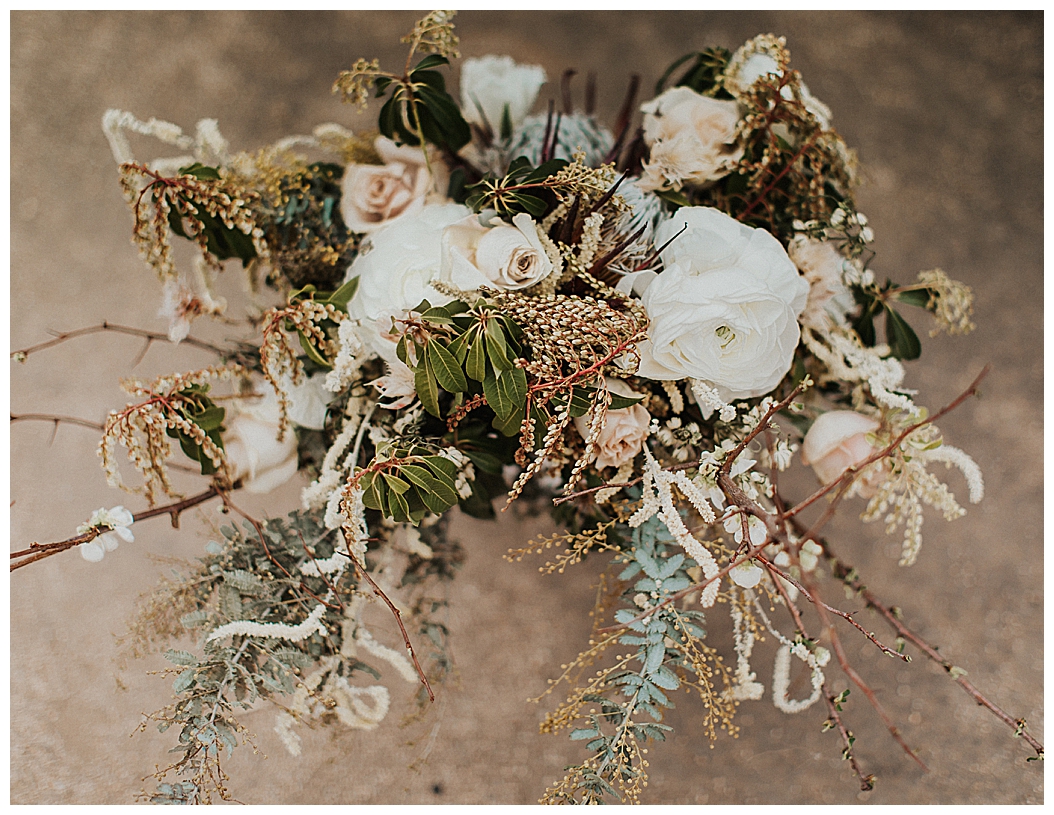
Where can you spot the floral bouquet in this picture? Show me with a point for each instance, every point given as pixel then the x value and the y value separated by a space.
pixel 637 327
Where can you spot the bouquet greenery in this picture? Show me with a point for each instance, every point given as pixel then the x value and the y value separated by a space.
pixel 636 328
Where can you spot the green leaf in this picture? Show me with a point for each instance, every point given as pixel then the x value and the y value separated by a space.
pixel 431 61
pixel 201 172
pixel 428 483
pixel 180 657
pixel 531 204
pixel 395 484
pixel 915 297
pixel 509 425
pixel 399 508
pixel 311 351
pixel 620 402
pixel 513 385
pixel 459 347
pixel 211 418
pixel 342 296
pixel 476 359
pixel 184 680
pixel 427 387
pixel 484 461
pixel 497 346
pixel 903 341
pixel 447 370
pixel 864 325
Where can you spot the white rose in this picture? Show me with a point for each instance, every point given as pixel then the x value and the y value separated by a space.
pixel 395 273
pixel 490 83
pixel 508 257
pixel 254 453
pixel 691 137
pixel 837 441
pixel 374 195
pixel 624 430
pixel 821 265
pixel 725 309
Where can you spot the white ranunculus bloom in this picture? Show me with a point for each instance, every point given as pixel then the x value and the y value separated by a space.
pixel 692 139
pixel 498 255
pixel 254 453
pixel 375 195
pixel 725 309
pixel 490 83
pixel 396 272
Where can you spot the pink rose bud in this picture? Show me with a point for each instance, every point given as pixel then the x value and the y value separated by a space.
pixel 837 441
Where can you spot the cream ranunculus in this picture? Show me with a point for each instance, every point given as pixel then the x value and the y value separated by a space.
pixel 692 139
pixel 837 441
pixel 396 271
pixel 725 309
pixel 498 255
pixel 374 195
pixel 254 453
pixel 490 83
pixel 624 431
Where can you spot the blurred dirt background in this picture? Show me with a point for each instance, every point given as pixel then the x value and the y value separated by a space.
pixel 945 110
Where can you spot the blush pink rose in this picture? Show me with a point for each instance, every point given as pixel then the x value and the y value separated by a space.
pixel 624 430
pixel 837 441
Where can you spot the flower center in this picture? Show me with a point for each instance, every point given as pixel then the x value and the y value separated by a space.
pixel 725 336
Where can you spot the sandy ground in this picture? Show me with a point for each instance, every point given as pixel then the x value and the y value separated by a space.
pixel 946 113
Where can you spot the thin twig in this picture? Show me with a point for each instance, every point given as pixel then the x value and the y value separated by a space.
pixel 149 336
pixel 48 417
pixel 856 679
pixel 843 661
pixel 867 782
pixel 846 574
pixel 398 617
pixel 816 601
pixel 258 527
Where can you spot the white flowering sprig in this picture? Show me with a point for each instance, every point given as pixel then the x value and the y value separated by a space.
pixel 177 405
pixel 116 520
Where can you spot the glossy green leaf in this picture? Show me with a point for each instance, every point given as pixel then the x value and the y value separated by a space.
pixel 427 388
pixel 311 351
pixel 903 341
pixel 447 370
pixel 476 359
pixel 915 297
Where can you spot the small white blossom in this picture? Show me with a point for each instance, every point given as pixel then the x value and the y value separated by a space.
pixel 117 520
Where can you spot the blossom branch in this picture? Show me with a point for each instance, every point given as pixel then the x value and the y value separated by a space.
pixel 39 551
pixel 762 425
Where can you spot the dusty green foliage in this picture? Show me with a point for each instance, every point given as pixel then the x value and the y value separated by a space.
pixel 621 707
pixel 266 614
